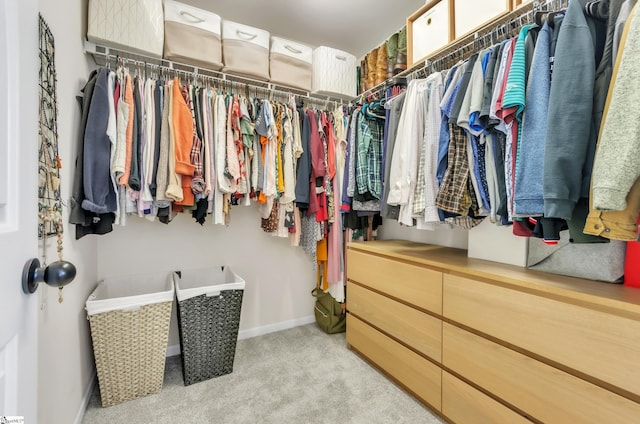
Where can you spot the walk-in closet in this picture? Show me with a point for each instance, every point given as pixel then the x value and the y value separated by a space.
pixel 310 212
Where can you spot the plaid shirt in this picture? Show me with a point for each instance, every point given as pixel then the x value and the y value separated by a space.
pixel 453 195
pixel 369 155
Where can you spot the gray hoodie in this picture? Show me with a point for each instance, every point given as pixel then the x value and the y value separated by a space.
pixel 99 193
pixel 571 130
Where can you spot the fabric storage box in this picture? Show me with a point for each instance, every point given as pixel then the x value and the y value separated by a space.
pixel 334 72
pixel 192 35
pixel 290 63
pixel 209 305
pixel 132 25
pixel 129 319
pixel 245 50
pixel 428 30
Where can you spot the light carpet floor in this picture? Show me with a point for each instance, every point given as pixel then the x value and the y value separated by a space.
pixel 294 376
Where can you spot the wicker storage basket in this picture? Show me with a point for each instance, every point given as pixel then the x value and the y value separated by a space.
pixel 129 319
pixel 209 305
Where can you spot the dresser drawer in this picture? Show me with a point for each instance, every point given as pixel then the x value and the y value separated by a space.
pixel 463 404
pixel 547 394
pixel 412 284
pixel 599 344
pixel 411 370
pixel 414 328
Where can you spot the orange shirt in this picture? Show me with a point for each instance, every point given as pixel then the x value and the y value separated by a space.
pixel 128 99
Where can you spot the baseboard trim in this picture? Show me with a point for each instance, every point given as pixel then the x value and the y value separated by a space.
pixel 259 331
pixel 272 328
pixel 173 350
pixel 87 397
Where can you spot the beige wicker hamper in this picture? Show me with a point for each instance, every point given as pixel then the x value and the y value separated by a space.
pixel 129 319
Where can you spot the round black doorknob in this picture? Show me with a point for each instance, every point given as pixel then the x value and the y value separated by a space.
pixel 56 274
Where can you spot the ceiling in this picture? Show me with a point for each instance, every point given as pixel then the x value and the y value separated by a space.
pixel 355 26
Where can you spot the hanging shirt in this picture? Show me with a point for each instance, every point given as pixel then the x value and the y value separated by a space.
pixel 232 164
pixel 174 184
pixel 433 122
pixel 406 152
pixel 303 169
pixel 128 98
pixel 349 180
pixel 372 129
pixel 528 193
pixel 394 110
pixel 289 177
pixel 220 144
pixel 162 178
pixel 99 193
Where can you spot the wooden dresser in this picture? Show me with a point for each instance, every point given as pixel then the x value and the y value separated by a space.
pixel 481 342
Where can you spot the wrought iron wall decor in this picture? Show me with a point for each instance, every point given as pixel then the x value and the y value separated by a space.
pixel 49 201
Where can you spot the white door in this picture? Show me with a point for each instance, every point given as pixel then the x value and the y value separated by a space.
pixel 18 206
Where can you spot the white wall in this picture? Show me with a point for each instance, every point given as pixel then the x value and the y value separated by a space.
pixel 279 278
pixel 453 237
pixel 493 243
pixel 65 360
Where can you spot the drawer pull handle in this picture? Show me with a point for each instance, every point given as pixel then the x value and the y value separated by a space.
pixel 246 35
pixel 342 58
pixel 190 17
pixel 292 49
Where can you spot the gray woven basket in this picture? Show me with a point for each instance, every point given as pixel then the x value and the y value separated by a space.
pixel 208 334
pixel 130 350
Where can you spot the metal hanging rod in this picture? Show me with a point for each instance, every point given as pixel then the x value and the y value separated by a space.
pixel 107 55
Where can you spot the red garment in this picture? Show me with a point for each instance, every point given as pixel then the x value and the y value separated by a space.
pixel 331 146
pixel 116 95
pixel 318 169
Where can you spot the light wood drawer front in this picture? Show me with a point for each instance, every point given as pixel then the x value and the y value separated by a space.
pixel 602 345
pixel 546 393
pixel 415 285
pixel 415 372
pixel 464 404
pixel 417 329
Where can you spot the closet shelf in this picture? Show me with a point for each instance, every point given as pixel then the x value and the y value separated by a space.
pixel 490 33
pixel 104 55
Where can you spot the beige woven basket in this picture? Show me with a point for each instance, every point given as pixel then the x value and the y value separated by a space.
pixel 130 349
pixel 129 318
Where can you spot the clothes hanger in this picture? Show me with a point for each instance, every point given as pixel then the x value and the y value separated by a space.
pixel 540 17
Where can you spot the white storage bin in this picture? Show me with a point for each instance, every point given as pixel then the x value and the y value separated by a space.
pixel 428 30
pixel 245 50
pixel 290 63
pixel 192 35
pixel 334 72
pixel 468 16
pixel 131 25
pixel 129 319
